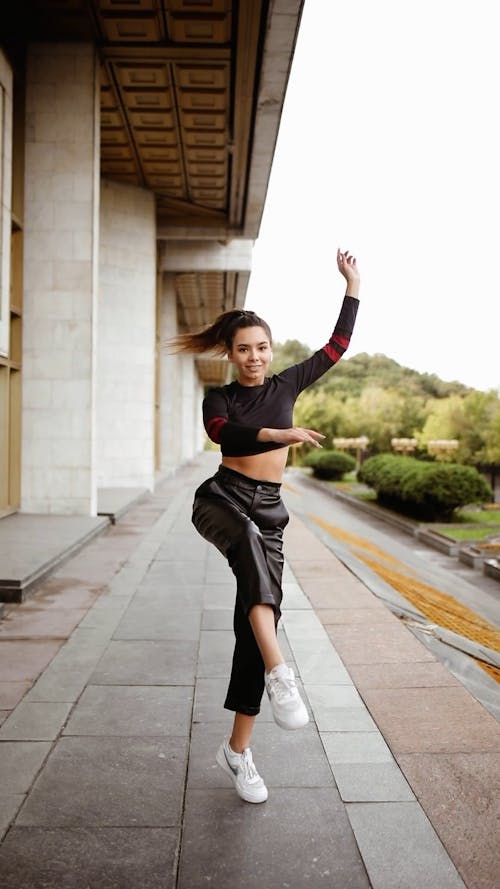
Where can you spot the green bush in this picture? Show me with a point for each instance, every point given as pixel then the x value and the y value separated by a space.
pixel 329 465
pixel 428 491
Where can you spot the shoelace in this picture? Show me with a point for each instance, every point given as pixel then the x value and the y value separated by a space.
pixel 247 765
pixel 283 687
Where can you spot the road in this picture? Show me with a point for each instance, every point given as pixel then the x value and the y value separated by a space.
pixel 451 607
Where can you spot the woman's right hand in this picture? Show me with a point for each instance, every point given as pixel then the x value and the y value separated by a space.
pixel 295 435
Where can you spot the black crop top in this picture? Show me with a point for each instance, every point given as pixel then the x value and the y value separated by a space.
pixel 234 414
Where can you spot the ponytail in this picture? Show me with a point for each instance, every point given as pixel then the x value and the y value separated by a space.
pixel 218 337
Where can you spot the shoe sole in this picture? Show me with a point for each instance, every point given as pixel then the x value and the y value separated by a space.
pixel 291 728
pixel 221 761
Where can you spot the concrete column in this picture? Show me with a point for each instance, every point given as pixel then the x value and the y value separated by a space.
pixel 181 431
pixel 5 198
pixel 126 337
pixel 60 279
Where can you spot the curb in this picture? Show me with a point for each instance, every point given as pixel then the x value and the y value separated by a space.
pixel 490 567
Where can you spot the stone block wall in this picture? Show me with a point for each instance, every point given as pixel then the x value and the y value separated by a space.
pixel 126 337
pixel 60 243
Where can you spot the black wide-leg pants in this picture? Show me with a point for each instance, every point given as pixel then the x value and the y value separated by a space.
pixel 244 518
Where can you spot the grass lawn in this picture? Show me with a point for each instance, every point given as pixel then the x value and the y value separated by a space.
pixel 457 533
pixel 485 522
pixel 479 516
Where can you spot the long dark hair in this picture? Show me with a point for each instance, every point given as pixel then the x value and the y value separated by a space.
pixel 218 337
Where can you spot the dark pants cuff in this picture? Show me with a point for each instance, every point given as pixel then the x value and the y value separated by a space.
pixel 242 708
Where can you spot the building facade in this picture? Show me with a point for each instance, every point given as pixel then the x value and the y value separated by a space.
pixel 137 138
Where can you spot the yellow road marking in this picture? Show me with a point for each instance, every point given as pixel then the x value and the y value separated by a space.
pixel 438 607
pixel 354 540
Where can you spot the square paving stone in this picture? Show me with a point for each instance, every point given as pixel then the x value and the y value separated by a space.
pixel 355 747
pixel 299 837
pixel 217 619
pixel 176 574
pixel 370 615
pixel 460 793
pixel 371 782
pixel 294 597
pixel 22 661
pixel 30 622
pixel 20 762
pixel 215 653
pixel 147 663
pixel 304 624
pixel 345 719
pixel 400 848
pixel 326 697
pixel 132 710
pixel 105 782
pixel 159 621
pixel 318 662
pixel 413 675
pixel 182 598
pixel 296 759
pixel 10 803
pixel 106 613
pixel 219 595
pixel 374 644
pixel 323 594
pixel 35 721
pixel 338 708
pixel 210 694
pixel 99 858
pixel 58 685
pixel 439 720
pixel 11 693
pixel 180 546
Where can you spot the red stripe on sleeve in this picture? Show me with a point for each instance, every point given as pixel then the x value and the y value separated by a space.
pixel 341 340
pixel 332 354
pixel 214 428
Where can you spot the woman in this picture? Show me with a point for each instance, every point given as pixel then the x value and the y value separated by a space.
pixel 240 510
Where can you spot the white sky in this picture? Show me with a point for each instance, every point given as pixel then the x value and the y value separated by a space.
pixel 389 146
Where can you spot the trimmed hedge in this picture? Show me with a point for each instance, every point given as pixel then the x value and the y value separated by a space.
pixel 331 465
pixel 428 491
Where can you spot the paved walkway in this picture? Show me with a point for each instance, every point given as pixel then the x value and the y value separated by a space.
pixel 112 682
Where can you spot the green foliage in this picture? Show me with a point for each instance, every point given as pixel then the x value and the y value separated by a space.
pixel 331 465
pixel 428 491
pixel 288 353
pixel 373 395
pixel 350 377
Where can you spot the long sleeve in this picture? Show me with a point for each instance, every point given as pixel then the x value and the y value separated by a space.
pixel 307 372
pixel 220 429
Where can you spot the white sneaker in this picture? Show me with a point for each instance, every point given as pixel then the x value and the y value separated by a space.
pixel 241 769
pixel 288 708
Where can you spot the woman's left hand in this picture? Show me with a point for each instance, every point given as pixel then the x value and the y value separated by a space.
pixel 348 268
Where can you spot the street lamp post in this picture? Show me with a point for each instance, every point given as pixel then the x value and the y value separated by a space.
pixel 442 448
pixel 357 444
pixel 404 445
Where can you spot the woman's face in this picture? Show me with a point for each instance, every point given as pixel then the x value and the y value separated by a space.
pixel 251 353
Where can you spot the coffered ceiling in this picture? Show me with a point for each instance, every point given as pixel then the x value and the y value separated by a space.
pixel 179 83
pixel 191 93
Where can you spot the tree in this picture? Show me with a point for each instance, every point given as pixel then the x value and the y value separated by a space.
pixel 288 353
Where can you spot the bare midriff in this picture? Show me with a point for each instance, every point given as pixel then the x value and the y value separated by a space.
pixel 267 467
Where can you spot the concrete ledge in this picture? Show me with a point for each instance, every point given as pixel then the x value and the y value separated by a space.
pixel 438 541
pixel 491 567
pixel 32 546
pixel 114 502
pixel 471 556
pixel 378 512
pixel 465 554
